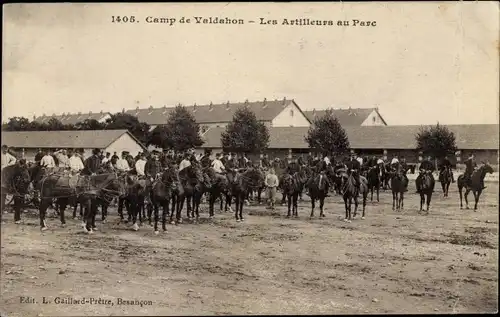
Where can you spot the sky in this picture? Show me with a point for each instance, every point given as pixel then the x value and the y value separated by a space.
pixel 422 63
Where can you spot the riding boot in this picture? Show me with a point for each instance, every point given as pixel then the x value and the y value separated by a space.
pixel 452 177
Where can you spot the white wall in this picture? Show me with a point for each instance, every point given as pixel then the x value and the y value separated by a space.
pixel 373 120
pixel 124 143
pixel 106 117
pixel 286 119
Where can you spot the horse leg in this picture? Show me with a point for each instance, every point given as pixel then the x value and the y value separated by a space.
pixel 180 205
pixel 241 210
pixel 62 206
pixel 393 200
pixel 429 197
pixel 349 205
pixel 237 203
pixel 364 205
pixel 402 200
pixel 313 198
pixel 321 206
pixel 467 190
pixel 154 205
pixel 283 198
pixel 356 203
pixel 460 193
pixel 150 211
pixel 295 204
pixel 289 200
pixel 371 192
pixel 476 198
pixel 42 212
pixel 18 202
pixel 378 190
pixel 164 214
pixel 93 205
pixel 3 197
pixel 135 210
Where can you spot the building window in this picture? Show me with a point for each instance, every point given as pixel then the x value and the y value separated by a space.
pixel 374 119
pixel 291 112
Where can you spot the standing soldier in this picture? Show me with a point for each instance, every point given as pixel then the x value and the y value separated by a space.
pixel 93 163
pixel 7 158
pixel 122 163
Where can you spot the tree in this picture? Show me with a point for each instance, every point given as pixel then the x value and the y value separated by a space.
pixel 245 134
pixel 17 124
pixel 181 132
pixel 326 134
pixel 128 122
pixel 90 124
pixel 436 141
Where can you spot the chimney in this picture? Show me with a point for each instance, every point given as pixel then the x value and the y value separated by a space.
pixel 164 109
pixel 90 113
pixel 227 105
pixel 63 114
pixel 264 103
pixel 136 108
pixel 34 117
pixel 194 107
pixel 284 101
pixel 43 115
pixel 101 112
pixel 246 103
pixel 53 114
pixel 314 112
pixel 123 110
pixel 150 109
pixel 210 107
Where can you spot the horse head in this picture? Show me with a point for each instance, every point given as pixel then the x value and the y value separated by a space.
pixel 487 168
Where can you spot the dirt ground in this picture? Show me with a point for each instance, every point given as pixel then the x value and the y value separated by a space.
pixel 390 262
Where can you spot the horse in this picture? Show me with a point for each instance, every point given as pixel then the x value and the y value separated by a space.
pixel 318 190
pixel 218 189
pixel 15 181
pixel 189 178
pixel 292 187
pixel 136 195
pixel 386 176
pixel 445 180
pixel 162 193
pixel 475 184
pixel 399 185
pixel 374 181
pixel 351 191
pixel 240 186
pixel 426 184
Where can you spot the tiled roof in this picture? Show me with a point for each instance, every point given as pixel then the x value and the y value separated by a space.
pixel 468 137
pixel 346 117
pixel 63 139
pixel 73 118
pixel 264 110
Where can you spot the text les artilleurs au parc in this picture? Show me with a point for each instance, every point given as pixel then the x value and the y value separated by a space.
pixel 171 21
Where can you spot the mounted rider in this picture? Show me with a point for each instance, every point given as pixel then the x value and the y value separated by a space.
pixel 353 168
pixel 205 160
pixel 293 167
pixel 7 158
pixel 470 167
pixel 426 166
pixel 153 167
pixel 446 165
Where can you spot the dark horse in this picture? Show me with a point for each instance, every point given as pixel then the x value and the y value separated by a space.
pixel 475 184
pixel 399 185
pixel 15 181
pixel 351 191
pixel 426 184
pixel 241 185
pixel 219 187
pixel 161 194
pixel 445 180
pixel 318 190
pixel 190 180
pixel 292 187
pixel 374 177
pixel 136 195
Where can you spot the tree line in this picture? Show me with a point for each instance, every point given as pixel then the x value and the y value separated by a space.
pixel 244 134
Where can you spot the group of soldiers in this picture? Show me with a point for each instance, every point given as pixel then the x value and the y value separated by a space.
pixel 150 164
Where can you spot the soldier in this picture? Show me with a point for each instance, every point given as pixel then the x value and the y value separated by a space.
pixel 425 167
pixel 470 166
pixel 93 163
pixel 38 156
pixel 353 168
pixel 293 167
pixel 114 159
pixel 205 160
pixel 265 161
pixel 153 166
pixel 7 158
pixel 446 165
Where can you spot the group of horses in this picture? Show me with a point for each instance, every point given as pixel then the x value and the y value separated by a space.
pixel 171 189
